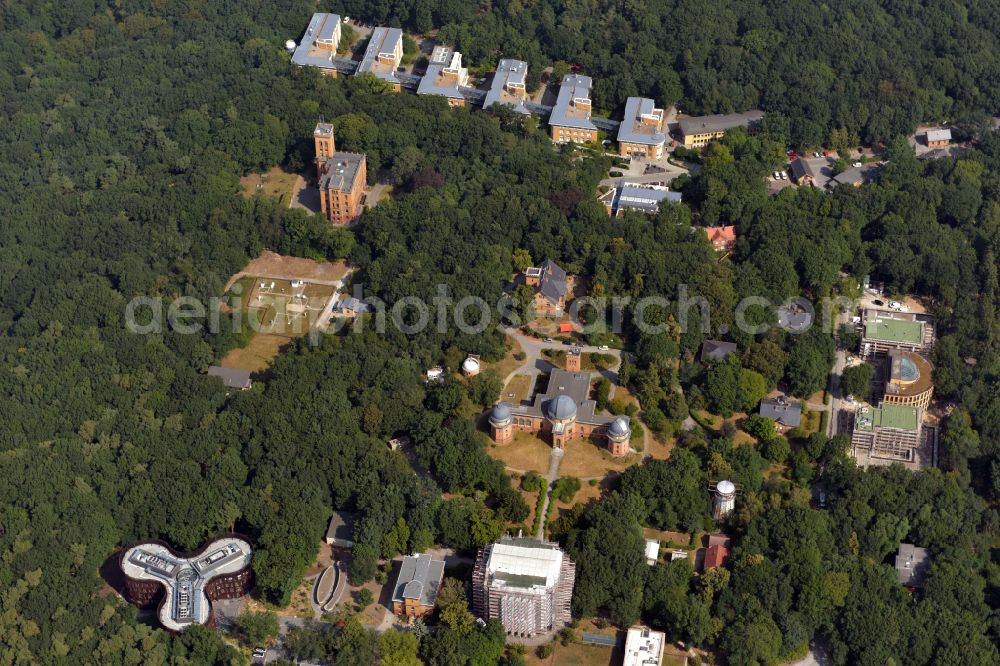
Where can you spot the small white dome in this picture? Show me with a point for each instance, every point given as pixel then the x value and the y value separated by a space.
pixel 470 365
pixel 290 45
pixel 726 487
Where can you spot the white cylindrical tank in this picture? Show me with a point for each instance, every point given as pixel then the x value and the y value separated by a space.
pixel 725 499
pixel 290 45
pixel 470 366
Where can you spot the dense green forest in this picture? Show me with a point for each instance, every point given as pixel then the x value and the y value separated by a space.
pixel 872 68
pixel 126 131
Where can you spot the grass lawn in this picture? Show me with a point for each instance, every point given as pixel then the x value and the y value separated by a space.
pixel 580 654
pixel 585 459
pixel 508 363
pixel 526 452
pixel 276 182
pixel 257 355
pixel 586 493
pixel 663 536
pixel 659 448
pixel 518 385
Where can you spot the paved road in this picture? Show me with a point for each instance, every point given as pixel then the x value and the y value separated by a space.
pixel 533 347
pixel 554 459
pixel 817 657
pixel 837 401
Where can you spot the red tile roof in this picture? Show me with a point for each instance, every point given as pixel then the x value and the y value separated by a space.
pixel 716 556
pixel 721 233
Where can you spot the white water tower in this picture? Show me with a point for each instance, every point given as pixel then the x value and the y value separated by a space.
pixel 725 499
pixel 290 45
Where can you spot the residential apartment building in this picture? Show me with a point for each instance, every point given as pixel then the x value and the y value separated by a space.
pixel 570 118
pixel 564 412
pixel 641 132
pixel 908 379
pixel 891 432
pixel 639 197
pixel 509 86
pixel 526 584
pixel 445 76
pixel 383 55
pixel 318 46
pixel 883 330
pixel 699 131
pixel 417 586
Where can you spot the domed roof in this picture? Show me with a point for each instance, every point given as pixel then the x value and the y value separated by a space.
pixel 726 487
pixel 619 428
pixel 500 413
pixel 561 408
pixel 470 365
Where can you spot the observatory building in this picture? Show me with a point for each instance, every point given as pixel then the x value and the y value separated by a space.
pixel 725 499
pixel 563 412
pixel 186 582
pixel 526 584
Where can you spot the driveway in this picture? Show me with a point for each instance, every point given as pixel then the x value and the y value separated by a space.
pixel 534 363
pixel 636 173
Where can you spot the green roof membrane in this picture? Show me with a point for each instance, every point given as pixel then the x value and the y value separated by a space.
pixel 894 330
pixel 888 415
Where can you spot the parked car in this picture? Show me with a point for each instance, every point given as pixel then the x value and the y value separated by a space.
pixel 548 340
pixel 604 348
pixel 347 19
pixel 817 154
pixel 777 175
pixel 784 176
pixel 878 302
pixel 857 165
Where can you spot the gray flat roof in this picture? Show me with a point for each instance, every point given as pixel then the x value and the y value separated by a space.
pixel 340 532
pixel 231 377
pixel 646 199
pixel 912 563
pixel 633 130
pixel 419 578
pixel 574 86
pixel 433 83
pixel 508 71
pixel 321 26
pixel 341 170
pixel 719 122
pixel 383 40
